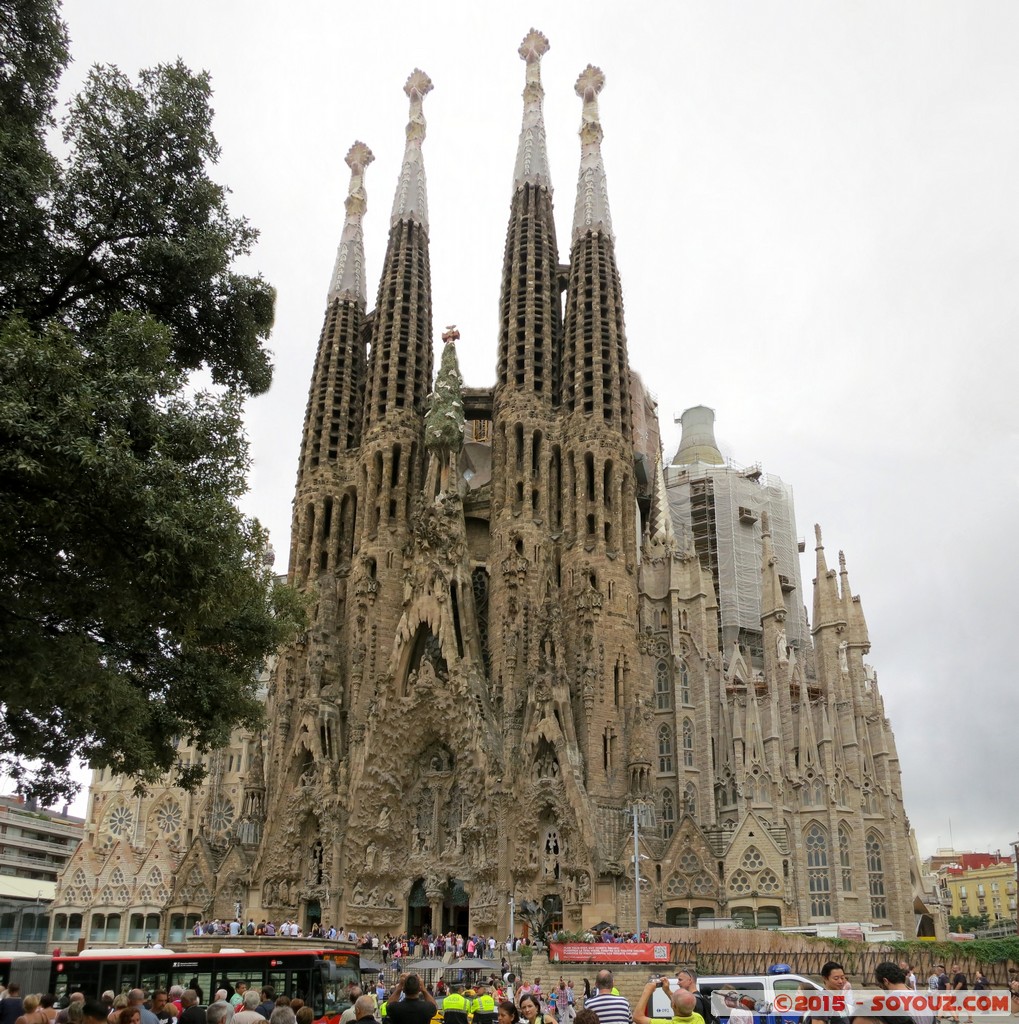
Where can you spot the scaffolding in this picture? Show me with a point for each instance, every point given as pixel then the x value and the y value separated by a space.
pixel 717 510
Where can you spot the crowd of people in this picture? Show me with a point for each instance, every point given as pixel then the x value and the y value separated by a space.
pixel 179 1005
pixel 501 998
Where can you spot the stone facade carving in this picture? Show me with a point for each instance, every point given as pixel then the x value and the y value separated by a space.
pixel 495 674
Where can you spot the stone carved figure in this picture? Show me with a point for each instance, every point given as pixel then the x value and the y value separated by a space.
pixel 782 647
pixel 583 887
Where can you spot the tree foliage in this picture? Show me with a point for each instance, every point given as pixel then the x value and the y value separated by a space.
pixel 967 922
pixel 136 605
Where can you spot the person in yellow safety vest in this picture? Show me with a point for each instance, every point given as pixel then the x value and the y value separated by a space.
pixel 384 1008
pixel 483 1004
pixel 455 1007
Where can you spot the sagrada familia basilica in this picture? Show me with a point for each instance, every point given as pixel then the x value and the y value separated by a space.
pixel 527 628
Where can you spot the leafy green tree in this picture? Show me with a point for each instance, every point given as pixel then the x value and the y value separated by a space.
pixel 136 602
pixel 967 923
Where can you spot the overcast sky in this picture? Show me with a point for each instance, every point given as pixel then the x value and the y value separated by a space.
pixel 816 219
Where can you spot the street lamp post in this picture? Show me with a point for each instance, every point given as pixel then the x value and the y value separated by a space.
pixel 639 810
pixel 636 869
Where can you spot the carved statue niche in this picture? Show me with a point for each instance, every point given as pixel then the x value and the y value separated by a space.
pixel 546 762
pixel 551 853
pixel 315 866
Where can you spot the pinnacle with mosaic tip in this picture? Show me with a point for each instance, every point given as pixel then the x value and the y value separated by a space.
pixel 591 212
pixel 358 157
pixel 532 152
pixel 348 272
pixel 590 82
pixel 534 46
pixel 418 85
pixel 411 200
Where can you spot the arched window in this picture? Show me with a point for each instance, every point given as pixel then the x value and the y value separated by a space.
pixel 818 877
pixel 665 748
pixel 690 800
pixel 668 813
pixel 845 859
pixel 876 876
pixel 769 917
pixel 687 743
pixel 744 916
pixel 663 686
pixel 684 682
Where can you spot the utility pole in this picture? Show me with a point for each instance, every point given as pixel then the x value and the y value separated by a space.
pixel 642 813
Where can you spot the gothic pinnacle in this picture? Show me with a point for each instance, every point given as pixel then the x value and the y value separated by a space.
pixel 411 201
pixel 348 271
pixel 591 212
pixel 532 153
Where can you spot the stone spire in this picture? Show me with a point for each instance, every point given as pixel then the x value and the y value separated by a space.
pixel 530 321
pixel 772 600
pixel 532 153
pixel 335 411
pixel 827 604
pixel 411 201
pixel 853 609
pixel 400 371
pixel 596 375
pixel 348 273
pixel 591 212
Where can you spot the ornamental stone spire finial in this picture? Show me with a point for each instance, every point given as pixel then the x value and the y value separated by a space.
pixel 411 202
pixel 532 152
pixel 348 273
pixel 592 210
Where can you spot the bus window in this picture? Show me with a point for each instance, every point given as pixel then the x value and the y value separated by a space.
pixel 200 981
pixel 150 980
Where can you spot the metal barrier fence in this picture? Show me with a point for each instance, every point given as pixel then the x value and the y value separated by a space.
pixel 859 964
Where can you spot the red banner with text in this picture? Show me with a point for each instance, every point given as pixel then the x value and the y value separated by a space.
pixel 609 952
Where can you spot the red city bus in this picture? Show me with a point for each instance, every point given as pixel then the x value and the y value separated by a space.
pixel 30 970
pixel 319 977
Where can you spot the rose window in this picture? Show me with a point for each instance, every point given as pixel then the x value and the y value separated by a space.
pixel 121 821
pixel 221 817
pixel 169 818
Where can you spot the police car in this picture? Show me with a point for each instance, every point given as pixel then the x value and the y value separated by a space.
pixel 755 993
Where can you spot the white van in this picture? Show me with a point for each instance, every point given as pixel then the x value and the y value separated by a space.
pixel 759 987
